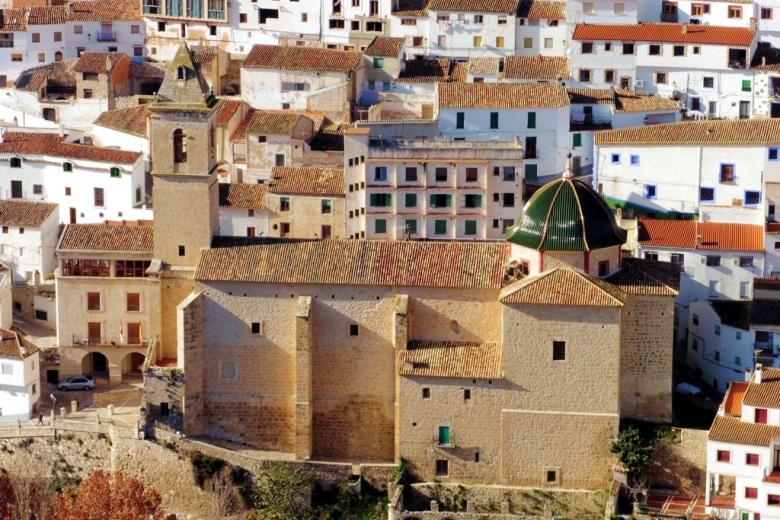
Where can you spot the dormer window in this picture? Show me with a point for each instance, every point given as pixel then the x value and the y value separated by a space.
pixel 181 73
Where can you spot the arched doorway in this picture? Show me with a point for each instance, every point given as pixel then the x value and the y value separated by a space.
pixel 95 364
pixel 131 367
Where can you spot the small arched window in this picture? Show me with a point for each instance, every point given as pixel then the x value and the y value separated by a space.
pixel 179 146
pixel 181 73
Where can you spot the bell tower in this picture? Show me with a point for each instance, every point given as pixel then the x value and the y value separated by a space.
pixel 181 135
pixel 185 192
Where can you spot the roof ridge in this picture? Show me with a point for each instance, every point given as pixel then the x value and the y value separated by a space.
pixel 596 282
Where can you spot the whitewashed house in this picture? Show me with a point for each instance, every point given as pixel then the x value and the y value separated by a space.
pixel 353 24
pixel 767 14
pixel 123 128
pixel 717 260
pixel 242 210
pixel 602 11
pixel 726 338
pixel 772 249
pixel 89 183
pixel 472 28
pixel 410 19
pixel 717 12
pixel 28 237
pixel 536 115
pixel 302 78
pixel 705 66
pixel 20 385
pixel 599 109
pixel 541 28
pixel 716 164
pixel 280 22
pixel 743 480
pixel 39 35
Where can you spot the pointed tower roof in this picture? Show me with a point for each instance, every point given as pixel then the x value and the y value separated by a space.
pixel 183 87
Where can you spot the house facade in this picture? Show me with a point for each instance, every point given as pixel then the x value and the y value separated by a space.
pixel 89 183
pixel 28 239
pixel 20 386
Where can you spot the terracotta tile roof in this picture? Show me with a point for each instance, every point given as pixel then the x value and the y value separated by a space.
pixel 417 8
pixel 548 68
pixel 426 71
pixel 487 66
pixel 767 393
pixel 734 398
pixel 125 236
pixel 502 95
pixel 360 262
pixel 385 46
pixel 242 196
pixel 542 10
pixel 53 145
pixel 24 213
pixel 632 279
pixel 666 33
pixel 301 58
pixel 733 430
pixel 723 132
pixel 104 11
pixel 628 101
pixel 128 120
pixel 453 359
pixel 12 345
pixel 267 122
pixel 300 180
pixel 34 80
pixel 225 109
pixel 591 96
pixel 474 6
pixel 13 20
pixel 96 61
pixel 563 286
pixel 48 15
pixel 204 55
pixel 623 100
pixel 715 236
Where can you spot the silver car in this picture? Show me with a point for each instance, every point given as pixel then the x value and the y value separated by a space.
pixel 77 383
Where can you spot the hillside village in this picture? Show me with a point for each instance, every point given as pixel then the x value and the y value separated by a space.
pixel 450 259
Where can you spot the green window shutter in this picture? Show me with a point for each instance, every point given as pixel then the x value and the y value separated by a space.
pixel 380 225
pixel 379 63
pixel 410 200
pixel 444 435
pixel 440 227
pixel 68 167
pixel 448 201
pixel 115 172
pixel 477 201
pixel 746 85
pixel 471 227
pixel 531 119
pixel 576 140
pixel 460 120
pixel 372 199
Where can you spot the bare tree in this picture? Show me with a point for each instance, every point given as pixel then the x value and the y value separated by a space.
pixel 225 502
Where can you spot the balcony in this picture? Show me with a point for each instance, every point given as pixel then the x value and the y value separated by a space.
pixel 106 36
pixel 110 341
pixel 216 14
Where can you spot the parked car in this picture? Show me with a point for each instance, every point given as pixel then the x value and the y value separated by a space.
pixel 77 383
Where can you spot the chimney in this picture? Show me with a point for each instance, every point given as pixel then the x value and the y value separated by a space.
pixel 757 373
pixel 684 29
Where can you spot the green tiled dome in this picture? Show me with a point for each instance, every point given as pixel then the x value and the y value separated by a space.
pixel 566 215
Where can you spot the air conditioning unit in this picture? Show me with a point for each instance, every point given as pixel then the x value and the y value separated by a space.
pixel 640 83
